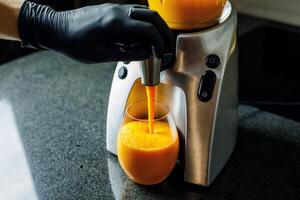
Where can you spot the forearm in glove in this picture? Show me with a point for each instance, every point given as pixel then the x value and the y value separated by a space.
pixel 106 32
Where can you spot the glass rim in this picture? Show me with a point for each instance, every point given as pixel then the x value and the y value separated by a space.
pixel 145 120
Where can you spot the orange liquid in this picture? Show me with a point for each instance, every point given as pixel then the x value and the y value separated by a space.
pixel 188 14
pixel 147 158
pixel 151 98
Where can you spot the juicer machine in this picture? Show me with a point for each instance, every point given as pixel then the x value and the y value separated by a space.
pixel 201 90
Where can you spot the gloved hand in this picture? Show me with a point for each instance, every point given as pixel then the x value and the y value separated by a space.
pixel 106 32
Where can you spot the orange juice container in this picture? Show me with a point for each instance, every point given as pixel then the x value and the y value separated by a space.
pixel 188 14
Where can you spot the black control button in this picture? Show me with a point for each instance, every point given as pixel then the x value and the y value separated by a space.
pixel 126 62
pixel 122 73
pixel 207 84
pixel 212 61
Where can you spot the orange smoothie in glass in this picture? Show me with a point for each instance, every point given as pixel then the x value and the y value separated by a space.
pixel 147 158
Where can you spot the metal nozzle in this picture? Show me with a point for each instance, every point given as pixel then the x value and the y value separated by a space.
pixel 150 69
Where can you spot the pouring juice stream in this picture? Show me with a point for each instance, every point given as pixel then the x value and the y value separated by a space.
pixel 150 101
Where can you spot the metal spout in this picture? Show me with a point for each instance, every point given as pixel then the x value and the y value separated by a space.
pixel 150 71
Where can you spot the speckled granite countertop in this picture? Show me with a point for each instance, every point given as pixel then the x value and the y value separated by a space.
pixel 52 141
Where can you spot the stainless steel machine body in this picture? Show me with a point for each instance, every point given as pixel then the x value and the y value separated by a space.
pixel 201 90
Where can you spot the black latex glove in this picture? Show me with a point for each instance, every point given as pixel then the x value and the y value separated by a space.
pixel 106 32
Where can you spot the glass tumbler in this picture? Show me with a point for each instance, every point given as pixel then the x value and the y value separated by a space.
pixel 147 158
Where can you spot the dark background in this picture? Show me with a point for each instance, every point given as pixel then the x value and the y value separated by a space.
pixel 268 59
